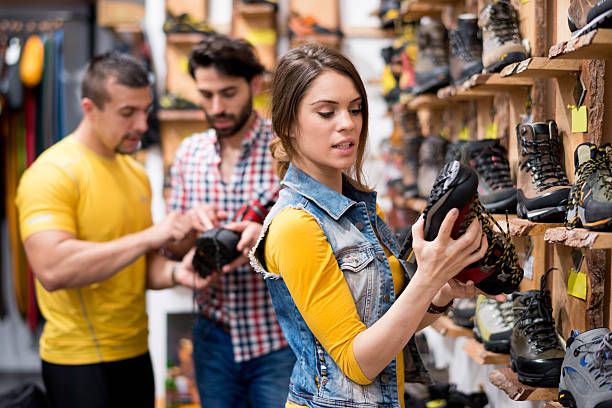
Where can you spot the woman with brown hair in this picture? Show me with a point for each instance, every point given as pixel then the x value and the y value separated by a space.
pixel 340 292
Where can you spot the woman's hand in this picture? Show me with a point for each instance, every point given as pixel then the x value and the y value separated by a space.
pixel 455 289
pixel 444 257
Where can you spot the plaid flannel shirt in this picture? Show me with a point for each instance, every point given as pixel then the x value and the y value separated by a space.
pixel 240 300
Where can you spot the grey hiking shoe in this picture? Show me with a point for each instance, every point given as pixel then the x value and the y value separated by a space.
pixel 493 322
pixel 590 202
pixel 501 38
pixel 465 49
pixel 543 188
pixel 431 70
pixel 463 312
pixel 586 377
pixel 535 352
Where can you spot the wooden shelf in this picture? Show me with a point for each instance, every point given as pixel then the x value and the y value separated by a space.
pixel 416 10
pixel 325 38
pixel 427 101
pixel 478 353
pixel 181 115
pixel 493 83
pixel 579 238
pixel 184 38
pixel 521 228
pixel 367 32
pixel 551 404
pixel 507 380
pixel 254 9
pixel 446 327
pixel 595 44
pixel 542 67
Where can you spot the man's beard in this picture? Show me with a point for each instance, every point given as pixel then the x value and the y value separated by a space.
pixel 239 121
pixel 119 150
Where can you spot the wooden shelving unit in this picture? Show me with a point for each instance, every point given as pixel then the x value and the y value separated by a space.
pixel 415 204
pixel 446 327
pixel 579 238
pixel 541 67
pixel 184 38
pixel 552 404
pixel 427 101
pixel 519 227
pixel 596 44
pixel 253 9
pixel 507 380
pixel 478 353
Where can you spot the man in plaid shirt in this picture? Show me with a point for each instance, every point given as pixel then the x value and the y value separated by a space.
pixel 241 357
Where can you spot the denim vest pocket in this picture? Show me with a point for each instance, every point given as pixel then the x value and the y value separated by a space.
pixel 358 266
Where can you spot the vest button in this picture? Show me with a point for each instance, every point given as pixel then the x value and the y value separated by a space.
pixel 359 226
pixel 386 298
pixel 384 378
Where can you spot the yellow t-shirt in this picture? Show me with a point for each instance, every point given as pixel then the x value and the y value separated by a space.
pixel 317 286
pixel 71 188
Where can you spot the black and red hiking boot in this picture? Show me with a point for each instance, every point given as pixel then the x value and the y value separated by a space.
pixel 456 187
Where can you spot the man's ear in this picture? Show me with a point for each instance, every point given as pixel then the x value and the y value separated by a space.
pixel 87 105
pixel 256 85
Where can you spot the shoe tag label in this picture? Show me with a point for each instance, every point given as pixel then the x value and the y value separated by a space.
pixel 579 119
pixel 492 131
pixel 577 284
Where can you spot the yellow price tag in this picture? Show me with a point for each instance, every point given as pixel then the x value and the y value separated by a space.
pixel 579 119
pixel 577 284
pixel 265 36
pixel 491 131
pixel 464 134
pixel 183 63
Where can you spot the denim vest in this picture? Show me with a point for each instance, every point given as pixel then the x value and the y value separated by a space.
pixel 349 223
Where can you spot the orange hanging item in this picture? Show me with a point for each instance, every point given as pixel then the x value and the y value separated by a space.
pixel 32 61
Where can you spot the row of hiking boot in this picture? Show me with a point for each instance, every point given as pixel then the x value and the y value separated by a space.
pixel 484 43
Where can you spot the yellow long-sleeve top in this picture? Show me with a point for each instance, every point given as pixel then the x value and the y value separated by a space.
pixel 296 248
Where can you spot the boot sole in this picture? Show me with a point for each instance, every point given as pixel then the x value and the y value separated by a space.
pixel 447 181
pixel 544 380
pixel 594 24
pixel 507 60
pixel 509 204
pixel 549 214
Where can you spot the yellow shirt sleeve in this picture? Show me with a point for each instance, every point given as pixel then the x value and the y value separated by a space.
pixel 317 286
pixel 46 200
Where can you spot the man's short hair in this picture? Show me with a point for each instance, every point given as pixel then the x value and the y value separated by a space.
pixel 230 56
pixel 125 69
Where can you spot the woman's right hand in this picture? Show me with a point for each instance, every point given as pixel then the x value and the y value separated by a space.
pixel 444 257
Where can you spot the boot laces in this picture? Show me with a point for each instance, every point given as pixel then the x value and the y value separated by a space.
pixel 505 263
pixel 601 359
pixel 540 157
pixel 536 318
pixel 601 166
pixel 491 163
pixel 503 22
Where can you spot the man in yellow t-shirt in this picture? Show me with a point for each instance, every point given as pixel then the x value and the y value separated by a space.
pixel 86 226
